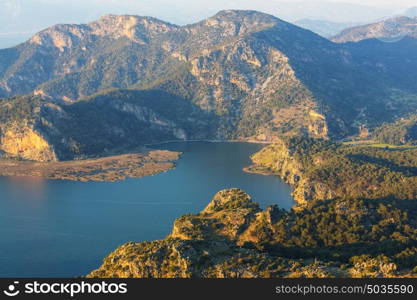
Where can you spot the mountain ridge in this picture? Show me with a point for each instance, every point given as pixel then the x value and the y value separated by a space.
pixel 389 30
pixel 324 28
pixel 253 75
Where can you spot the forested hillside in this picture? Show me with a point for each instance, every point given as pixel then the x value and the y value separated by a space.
pixel 247 75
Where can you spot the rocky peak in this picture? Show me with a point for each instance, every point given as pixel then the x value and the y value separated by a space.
pixel 132 27
pixel 136 28
pixel 227 216
pixel 230 199
pixel 239 22
pixel 249 16
pixel 60 36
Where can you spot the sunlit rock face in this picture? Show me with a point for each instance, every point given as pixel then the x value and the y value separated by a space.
pixel 26 143
pixel 239 75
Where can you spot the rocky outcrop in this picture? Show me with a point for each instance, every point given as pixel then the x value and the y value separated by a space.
pixel 279 159
pixel 321 170
pixel 233 238
pixel 226 217
pixel 206 245
pixel 26 143
pixel 282 160
pixel 258 76
pixel 33 128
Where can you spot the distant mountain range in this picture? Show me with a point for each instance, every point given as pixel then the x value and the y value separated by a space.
pixel 324 28
pixel 329 29
pixel 12 39
pixel 387 30
pixel 411 12
pixel 124 81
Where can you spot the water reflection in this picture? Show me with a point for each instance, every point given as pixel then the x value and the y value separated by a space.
pixel 29 189
pixel 63 228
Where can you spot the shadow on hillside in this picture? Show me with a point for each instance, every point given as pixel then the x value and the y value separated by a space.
pixel 381 162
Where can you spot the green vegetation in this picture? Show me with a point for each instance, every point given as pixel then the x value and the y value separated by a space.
pixel 358 221
pixel 383 146
pixel 261 80
pixel 112 122
pixel 340 230
pixel 326 170
pixel 19 109
pixel 338 238
pixel 124 119
pixel 401 132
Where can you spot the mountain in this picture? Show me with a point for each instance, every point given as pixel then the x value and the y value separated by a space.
pixel 324 28
pixel 355 217
pixel 389 30
pixel 322 170
pixel 82 56
pixel 240 74
pixel 401 132
pixel 344 237
pixel 411 12
pixel 114 122
pixel 389 48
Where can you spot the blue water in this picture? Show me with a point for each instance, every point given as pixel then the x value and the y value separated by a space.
pixel 64 228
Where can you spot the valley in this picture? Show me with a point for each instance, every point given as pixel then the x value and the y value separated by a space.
pixel 87 111
pixel 354 217
pixel 235 76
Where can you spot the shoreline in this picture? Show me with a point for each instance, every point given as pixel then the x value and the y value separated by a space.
pixel 211 141
pixel 252 170
pixel 116 167
pixel 104 169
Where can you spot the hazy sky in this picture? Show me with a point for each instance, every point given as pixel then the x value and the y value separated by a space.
pixel 21 18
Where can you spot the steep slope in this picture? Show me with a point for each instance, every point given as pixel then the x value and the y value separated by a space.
pixel 394 64
pixel 233 238
pixel 320 170
pixel 401 132
pixel 254 75
pixel 19 130
pixel 388 30
pixel 288 81
pixel 114 122
pixel 81 59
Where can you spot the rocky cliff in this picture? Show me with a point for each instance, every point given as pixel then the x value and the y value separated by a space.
pixel 26 143
pixel 20 133
pixel 321 170
pixel 239 75
pixel 256 76
pixel 206 245
pixel 282 159
pixel 233 238
pixel 117 122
